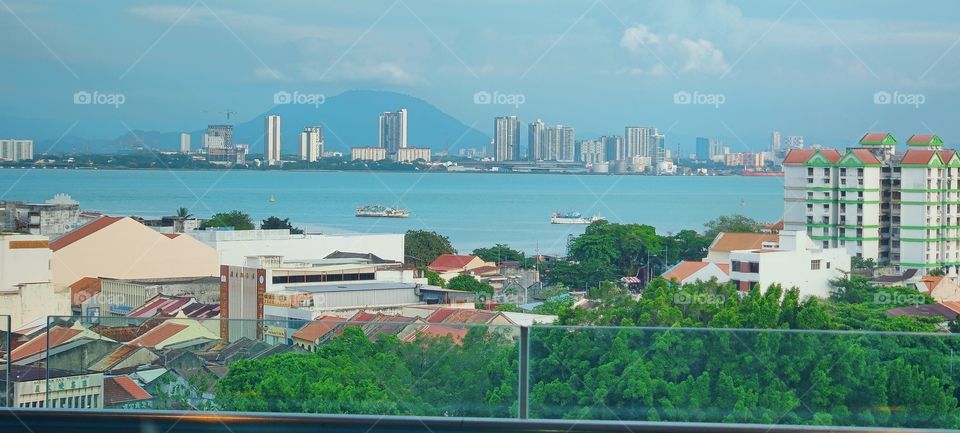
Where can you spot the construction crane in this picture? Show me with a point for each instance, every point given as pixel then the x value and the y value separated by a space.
pixel 228 112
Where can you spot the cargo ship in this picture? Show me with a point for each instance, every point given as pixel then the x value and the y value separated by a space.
pixel 761 173
pixel 573 218
pixel 380 211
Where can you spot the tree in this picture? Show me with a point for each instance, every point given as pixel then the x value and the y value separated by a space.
pixel 273 223
pixel 421 247
pixel 468 283
pixel 499 253
pixel 434 279
pixel 732 224
pixel 183 214
pixel 236 219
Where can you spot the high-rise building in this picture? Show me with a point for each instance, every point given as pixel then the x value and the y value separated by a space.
pixel 709 149
pixel 184 142
pixel 393 130
pixel 897 209
pixel 643 141
pixel 271 137
pixel 311 143
pixel 506 138
pixel 591 152
pixel 535 141
pixel 16 150
pixel 775 141
pixel 793 142
pixel 613 147
pixel 220 135
pixel 559 144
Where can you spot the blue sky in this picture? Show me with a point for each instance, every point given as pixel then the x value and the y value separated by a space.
pixel 802 67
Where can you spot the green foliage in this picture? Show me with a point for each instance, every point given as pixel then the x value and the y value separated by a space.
pixel 732 224
pixel 509 308
pixel 558 305
pixel 236 219
pixel 857 262
pixel 468 283
pixel 273 223
pixel 421 247
pixel 501 252
pixel 434 279
pixel 183 213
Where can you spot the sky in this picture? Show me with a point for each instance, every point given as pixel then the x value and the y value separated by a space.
pixel 737 70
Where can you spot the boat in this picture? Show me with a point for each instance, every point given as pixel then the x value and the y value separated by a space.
pixel 380 211
pixel 761 173
pixel 272 199
pixel 573 217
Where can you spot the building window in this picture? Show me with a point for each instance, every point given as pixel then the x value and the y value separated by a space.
pixel 809 171
pixel 828 265
pixel 754 267
pixel 815 265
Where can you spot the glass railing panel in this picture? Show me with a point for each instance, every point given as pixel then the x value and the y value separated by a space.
pixel 5 340
pixel 289 366
pixel 745 376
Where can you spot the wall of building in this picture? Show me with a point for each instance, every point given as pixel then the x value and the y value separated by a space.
pixel 233 247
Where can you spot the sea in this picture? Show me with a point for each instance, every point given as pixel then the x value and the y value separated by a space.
pixel 472 209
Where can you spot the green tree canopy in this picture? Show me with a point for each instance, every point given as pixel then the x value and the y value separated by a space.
pixel 421 247
pixel 272 223
pixel 236 219
pixel 732 224
pixel 499 253
pixel 468 283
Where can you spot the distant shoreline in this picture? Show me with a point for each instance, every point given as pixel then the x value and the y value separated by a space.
pixel 319 170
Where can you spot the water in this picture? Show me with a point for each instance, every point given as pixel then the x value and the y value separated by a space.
pixel 472 209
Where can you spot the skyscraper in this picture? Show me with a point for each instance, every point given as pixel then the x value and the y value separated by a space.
pixel 558 144
pixel 311 143
pixel 775 141
pixel 613 147
pixel 184 142
pixel 535 141
pixel 393 130
pixel 794 142
pixel 506 138
pixel 591 152
pixel 272 139
pixel 642 141
pixel 218 135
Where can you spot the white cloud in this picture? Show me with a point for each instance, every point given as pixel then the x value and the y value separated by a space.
pixel 679 53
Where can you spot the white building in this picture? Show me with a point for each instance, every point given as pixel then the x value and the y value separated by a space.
pixel 26 289
pixel 795 261
pixel 184 142
pixel 506 138
pixel 643 141
pixel 271 137
pixel 775 142
pixel 393 130
pixel 535 138
pixel 368 153
pixel 411 154
pixel 219 136
pixel 38 387
pixel 793 142
pixel 559 144
pixel 16 150
pixel 690 272
pixel 234 246
pixel 311 143
pixel 592 152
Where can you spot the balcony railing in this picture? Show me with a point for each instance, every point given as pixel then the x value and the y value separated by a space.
pixel 477 376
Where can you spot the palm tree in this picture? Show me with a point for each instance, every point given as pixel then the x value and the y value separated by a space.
pixel 183 213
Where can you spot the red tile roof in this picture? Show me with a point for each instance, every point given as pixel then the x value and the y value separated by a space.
pixel 161 305
pixel 930 281
pixel 439 331
pixel 171 235
pixel 874 137
pixel 58 335
pixel 684 270
pixel 798 156
pixel 83 231
pixel 946 155
pixel 483 270
pixel 831 154
pixel 317 328
pixel 742 241
pixel 159 334
pixel 920 139
pixel 122 389
pixel 917 156
pixel 952 305
pixel 866 156
pixel 446 262
pixel 462 315
pixel 83 289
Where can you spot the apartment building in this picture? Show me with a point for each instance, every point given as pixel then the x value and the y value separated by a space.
pixel 900 209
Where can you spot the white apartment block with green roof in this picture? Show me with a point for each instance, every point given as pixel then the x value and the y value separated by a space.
pixel 898 209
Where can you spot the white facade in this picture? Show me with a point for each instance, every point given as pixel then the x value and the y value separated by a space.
pixel 184 142
pixel 311 144
pixel 558 144
pixel 535 138
pixel 26 290
pixel 393 130
pixel 411 154
pixel 368 153
pixel 797 261
pixel 271 139
pixel 16 150
pixel 793 142
pixel 643 141
pixel 234 246
pixel 506 138
pixel 68 392
pixel 592 152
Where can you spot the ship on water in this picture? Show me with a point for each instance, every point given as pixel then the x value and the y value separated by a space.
pixel 380 211
pixel 573 217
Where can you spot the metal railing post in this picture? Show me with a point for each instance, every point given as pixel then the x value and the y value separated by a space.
pixel 524 386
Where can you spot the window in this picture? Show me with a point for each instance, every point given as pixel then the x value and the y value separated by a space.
pixel 754 267
pixel 809 171
pixel 815 265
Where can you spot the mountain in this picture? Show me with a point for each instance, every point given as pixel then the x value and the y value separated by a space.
pixel 351 119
